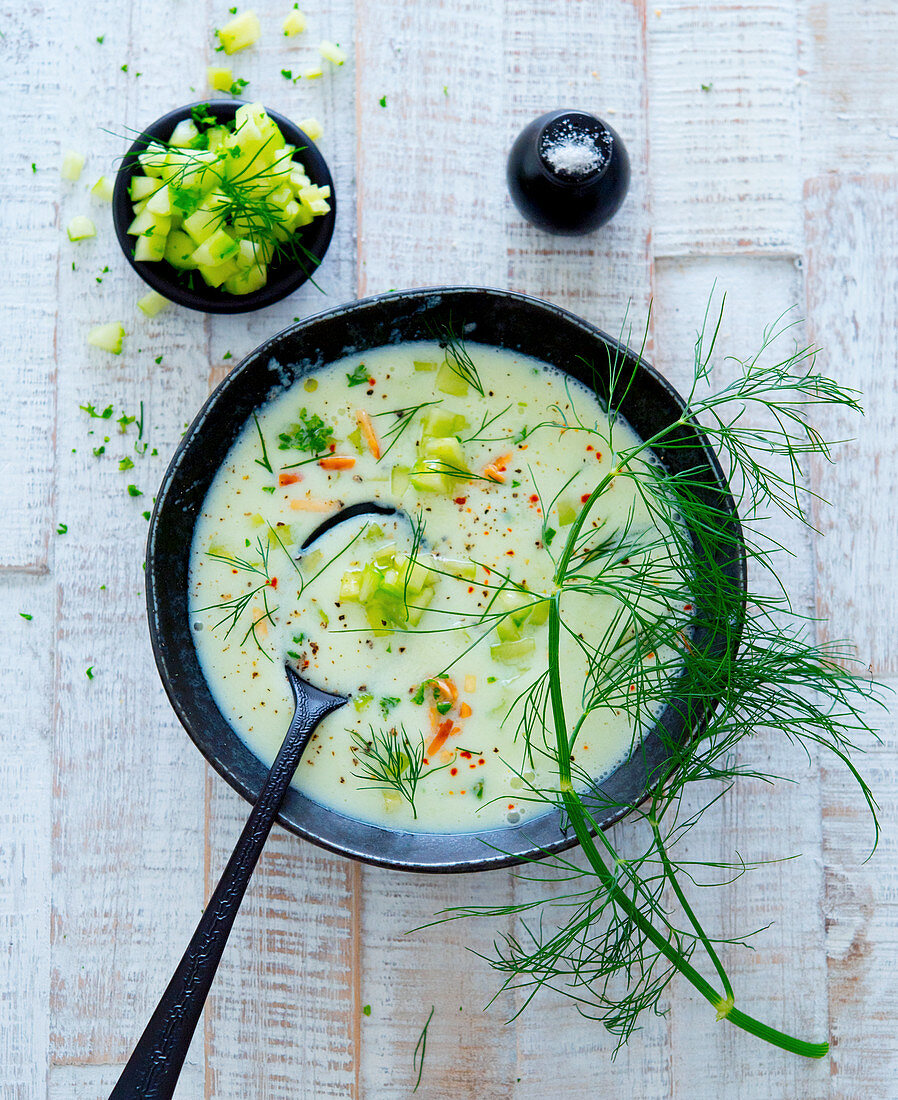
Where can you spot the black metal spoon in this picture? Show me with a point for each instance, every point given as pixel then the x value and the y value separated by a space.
pixel 153 1069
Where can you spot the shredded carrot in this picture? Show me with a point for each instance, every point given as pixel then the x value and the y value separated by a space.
pixel 306 504
pixel 289 479
pixel 337 462
pixel 367 429
pixel 464 711
pixel 495 470
pixel 447 689
pixel 443 731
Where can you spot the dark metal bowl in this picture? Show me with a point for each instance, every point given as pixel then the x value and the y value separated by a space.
pixel 513 321
pixel 284 276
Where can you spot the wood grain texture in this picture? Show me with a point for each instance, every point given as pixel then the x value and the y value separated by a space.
pixel 594 59
pixel 26 783
pixel 848 86
pixel 128 796
pixel 851 287
pixel 724 121
pixel 32 197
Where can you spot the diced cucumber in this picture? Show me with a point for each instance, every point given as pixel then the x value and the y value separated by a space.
pixel 330 51
pixel 567 513
pixel 179 249
pixel 540 613
pixel 142 187
pixel 184 134
pixel 450 381
pixel 312 72
pixel 153 159
pixel 242 31
pixel 399 479
pixel 447 452
pixel 215 275
pixel 146 221
pixel 508 630
pixel 216 249
pixel 160 201
pixel 442 422
pixel 219 78
pixel 152 303
pixel 513 651
pixel 216 136
pixel 150 247
pixel 424 364
pixel 108 337
pixel 247 280
pixel 294 23
pixel 201 224
pixel 466 570
pixel 103 189
pixel 281 535
pixel 350 585
pixel 72 165
pixel 429 479
pixel 80 228
pixel 312 128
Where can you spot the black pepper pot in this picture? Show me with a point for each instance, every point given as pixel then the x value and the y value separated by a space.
pixel 568 172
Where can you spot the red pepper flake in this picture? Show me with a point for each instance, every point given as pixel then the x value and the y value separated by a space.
pixel 233 570
pixel 332 447
pixel 511 805
pixel 472 765
pixel 481 761
pixel 470 587
pixel 509 553
pixel 426 761
pixel 599 455
pixel 589 446
pixel 534 498
pixel 464 754
pixel 584 498
pixel 372 381
pixel 460 500
pixel 687 606
pixel 273 582
pixel 453 771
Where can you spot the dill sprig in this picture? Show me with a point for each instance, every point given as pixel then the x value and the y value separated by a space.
pixel 735 665
pixel 404 418
pixel 457 356
pixel 390 761
pixel 421 1049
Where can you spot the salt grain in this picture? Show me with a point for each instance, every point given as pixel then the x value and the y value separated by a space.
pixel 572 153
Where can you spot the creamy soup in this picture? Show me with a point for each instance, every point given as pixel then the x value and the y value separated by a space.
pixel 431 618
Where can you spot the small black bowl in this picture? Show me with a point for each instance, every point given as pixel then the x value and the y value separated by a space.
pixel 513 321
pixel 284 276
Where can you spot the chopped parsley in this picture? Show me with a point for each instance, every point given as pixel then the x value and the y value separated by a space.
pixel 202 116
pixel 310 433
pixel 125 463
pixel 89 672
pixel 478 789
pixel 387 704
pixel 237 86
pixel 133 491
pixel 549 534
pixel 383 101
pixel 366 1010
pixel 358 377
pixel 146 515
pixel 158 359
pixel 62 528
pixel 287 74
pixel 707 87
pixel 227 355
pixel 124 68
pixel 33 167
pixel 101 38
pixel 92 412
pixel 25 615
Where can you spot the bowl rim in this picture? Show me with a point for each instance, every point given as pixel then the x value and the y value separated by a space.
pixel 205 299
pixel 396 849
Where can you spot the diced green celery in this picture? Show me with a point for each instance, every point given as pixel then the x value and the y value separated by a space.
pixel 513 651
pixel 373 533
pixel 567 513
pixel 150 248
pixel 355 438
pixel 242 31
pixel 428 479
pixel 219 78
pixel 424 364
pixel 362 701
pixel 447 451
pixel 439 423
pixel 294 23
pixel 257 520
pixel 80 228
pixel 450 381
pixel 280 535
pixel 152 303
pixel 72 165
pixel 330 51
pixel 421 600
pixel 399 479
pixel 184 134
pixel 108 337
pixel 312 128
pixel 387 553
pixel 103 189
pixel 370 583
pixel 179 249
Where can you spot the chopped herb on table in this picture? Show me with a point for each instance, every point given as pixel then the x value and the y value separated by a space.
pixel 421 1050
pixel 25 615
pixel 89 672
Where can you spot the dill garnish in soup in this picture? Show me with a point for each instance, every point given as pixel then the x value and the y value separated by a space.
pixel 433 619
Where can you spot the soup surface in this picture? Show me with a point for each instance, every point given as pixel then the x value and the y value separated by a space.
pixel 433 618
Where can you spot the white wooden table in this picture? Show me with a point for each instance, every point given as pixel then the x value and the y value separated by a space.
pixel 764 141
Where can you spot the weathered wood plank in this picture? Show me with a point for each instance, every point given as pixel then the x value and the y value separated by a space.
pixel 849 93
pixel 25 816
pixel 593 59
pixel 32 194
pixel 95 1082
pixel 723 110
pixel 783 981
pixel 128 805
pixel 851 287
pixel 861 912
